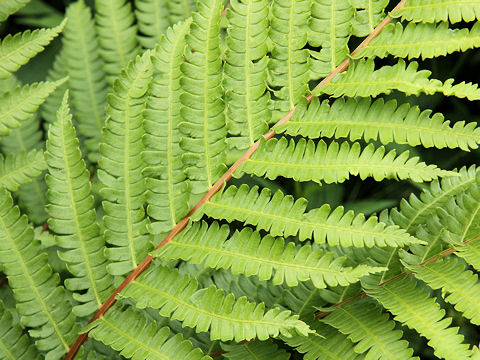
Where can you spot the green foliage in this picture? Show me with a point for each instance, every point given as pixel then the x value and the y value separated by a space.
pixel 139 244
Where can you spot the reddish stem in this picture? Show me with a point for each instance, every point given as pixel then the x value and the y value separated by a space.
pixel 218 185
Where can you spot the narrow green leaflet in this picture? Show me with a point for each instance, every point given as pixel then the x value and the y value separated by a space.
pixel 334 163
pixel 14 344
pixel 255 350
pixel 87 79
pixel 330 28
pixel 226 318
pixel 18 49
pixel 203 128
pixel 387 122
pixel 421 40
pixel 361 79
pixel 135 337
pixel 245 80
pixel 168 191
pixel 9 7
pixel 43 305
pixel 152 21
pixel 267 258
pixel 440 10
pixel 21 103
pixel 414 307
pixel 280 215
pixel 73 218
pixel 120 168
pixel 371 330
pixel 21 168
pixel 289 62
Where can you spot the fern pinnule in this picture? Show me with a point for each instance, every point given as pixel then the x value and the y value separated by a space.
pixel 210 309
pixel 18 49
pixel 21 168
pixel 120 169
pixel 430 11
pixel 368 14
pixel 246 252
pixel 168 188
pixel 280 215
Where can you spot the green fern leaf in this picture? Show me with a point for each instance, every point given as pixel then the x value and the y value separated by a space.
pixel 439 10
pixel 179 10
pixel 280 215
pixel 42 304
pixel 120 169
pixel 368 14
pixel 303 161
pixel 421 40
pixel 255 350
pixel 202 109
pixel 330 29
pixel 72 216
pixel 414 307
pixel 152 19
pixel 209 309
pixel 289 62
pixel 361 79
pixel 245 72
pixel 18 49
pixel 417 209
pixel 9 7
pixel 87 79
pixel 117 35
pixel 130 333
pixel 21 168
pixel 386 122
pixel 366 325
pixel 268 258
pixel 332 345
pixel 14 345
pixel 168 194
pixel 461 285
pixel 21 103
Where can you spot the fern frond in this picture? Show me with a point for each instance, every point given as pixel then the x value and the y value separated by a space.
pixel 120 169
pixel 117 35
pixel 21 168
pixel 18 49
pixel 21 103
pixel 267 258
pixel 179 10
pixel 130 333
pixel 439 10
pixel 152 19
pixel 303 161
pixel 168 194
pixel 361 79
pixel 361 119
pixel 9 7
pixel 280 215
pixel 202 109
pixel 368 14
pixel 421 40
pixel 72 216
pixel 289 62
pixel 461 285
pixel 42 304
pixel 255 350
pixel 245 73
pixel 87 79
pixel 330 345
pixel 417 209
pixel 374 333
pixel 14 345
pixel 330 28
pixel 210 309
pixel 413 307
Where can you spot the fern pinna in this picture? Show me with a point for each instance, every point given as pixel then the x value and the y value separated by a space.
pixel 121 224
